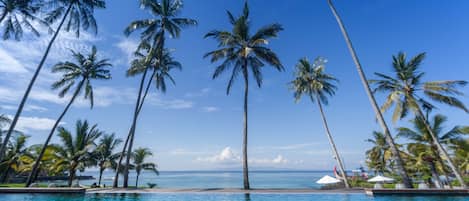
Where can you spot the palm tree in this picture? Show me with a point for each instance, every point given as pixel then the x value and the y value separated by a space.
pixel 81 74
pixel 243 52
pixel 139 156
pixel 104 154
pixel 165 19
pixel 395 151
pixel 379 154
pixel 312 81
pixel 461 155
pixel 403 89
pixel 16 150
pixel 48 159
pixel 15 15
pixel 76 152
pixel 78 14
pixel 423 141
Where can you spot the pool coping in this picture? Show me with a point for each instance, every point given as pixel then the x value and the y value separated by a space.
pixel 43 190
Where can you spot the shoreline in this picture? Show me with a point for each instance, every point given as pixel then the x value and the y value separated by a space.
pixel 227 190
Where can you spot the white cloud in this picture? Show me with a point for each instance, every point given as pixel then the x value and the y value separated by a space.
pixel 226 156
pixel 8 64
pixel 157 100
pixel 265 161
pixel 26 108
pixel 27 124
pixel 128 47
pixel 210 109
pixel 184 152
pixel 202 92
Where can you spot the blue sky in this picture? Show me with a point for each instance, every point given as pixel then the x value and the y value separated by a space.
pixel 196 126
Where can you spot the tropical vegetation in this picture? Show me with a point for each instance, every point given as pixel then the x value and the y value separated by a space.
pixel 422 147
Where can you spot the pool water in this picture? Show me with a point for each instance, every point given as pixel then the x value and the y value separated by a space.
pixel 219 197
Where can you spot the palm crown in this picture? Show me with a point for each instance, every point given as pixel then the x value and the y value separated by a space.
pixel 139 156
pixel 81 14
pixel 405 86
pixel 311 80
pixel 240 50
pixel 161 67
pixel 15 15
pixel 153 29
pixel 86 69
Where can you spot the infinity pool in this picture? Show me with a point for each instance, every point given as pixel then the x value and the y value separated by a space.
pixel 219 197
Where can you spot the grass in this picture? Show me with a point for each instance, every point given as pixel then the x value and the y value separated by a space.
pixel 19 185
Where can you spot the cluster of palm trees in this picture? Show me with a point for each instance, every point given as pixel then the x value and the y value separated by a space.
pixel 82 147
pixel 239 52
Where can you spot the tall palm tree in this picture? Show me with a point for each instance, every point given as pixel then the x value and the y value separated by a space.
pixel 78 14
pixel 379 154
pixel 139 156
pixel 312 81
pixel 422 138
pixel 76 151
pixel 165 19
pixel 16 150
pixel 395 151
pixel 15 15
pixel 242 52
pixel 406 91
pixel 461 155
pixel 80 75
pixel 104 154
pixel 48 159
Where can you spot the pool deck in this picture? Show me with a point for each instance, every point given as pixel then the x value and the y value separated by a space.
pixel 227 190
pixel 417 192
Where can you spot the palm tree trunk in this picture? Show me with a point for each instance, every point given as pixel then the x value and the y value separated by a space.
pixel 133 128
pixel 71 177
pixel 441 149
pixel 7 172
pixel 30 85
pixel 136 180
pixel 101 170
pixel 395 152
pixel 334 148
pixel 245 129
pixel 51 133
pixel 435 176
pixel 116 177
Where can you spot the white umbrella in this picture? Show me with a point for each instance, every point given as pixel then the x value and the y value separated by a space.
pixel 380 178
pixel 328 180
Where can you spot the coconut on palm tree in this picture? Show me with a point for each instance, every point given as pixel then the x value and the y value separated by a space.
pixel 406 91
pixel 165 19
pixel 17 15
pixel 79 14
pixel 139 157
pixel 76 151
pixel 424 146
pixel 244 53
pixel 379 116
pixel 311 80
pixel 104 153
pixel 78 74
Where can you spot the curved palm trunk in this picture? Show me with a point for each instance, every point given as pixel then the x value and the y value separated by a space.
pixel 134 125
pixel 116 177
pixel 441 149
pixel 395 152
pixel 7 172
pixel 101 170
pixel 30 85
pixel 51 133
pixel 245 130
pixel 334 148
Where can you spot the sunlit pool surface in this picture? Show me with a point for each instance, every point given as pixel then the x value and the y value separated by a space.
pixel 220 197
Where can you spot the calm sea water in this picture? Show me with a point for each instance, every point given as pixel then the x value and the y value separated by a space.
pixel 220 179
pixel 220 197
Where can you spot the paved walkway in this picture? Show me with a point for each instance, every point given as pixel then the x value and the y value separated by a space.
pixel 225 190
